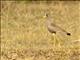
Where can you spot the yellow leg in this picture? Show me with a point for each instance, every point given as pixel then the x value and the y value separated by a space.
pixel 54 39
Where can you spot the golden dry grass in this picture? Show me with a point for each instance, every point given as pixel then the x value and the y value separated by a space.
pixel 24 35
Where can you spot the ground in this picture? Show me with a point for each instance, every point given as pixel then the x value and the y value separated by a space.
pixel 24 35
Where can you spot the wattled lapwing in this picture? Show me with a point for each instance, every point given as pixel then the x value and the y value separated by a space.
pixel 53 28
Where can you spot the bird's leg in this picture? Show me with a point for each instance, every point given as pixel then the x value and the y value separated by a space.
pixel 54 40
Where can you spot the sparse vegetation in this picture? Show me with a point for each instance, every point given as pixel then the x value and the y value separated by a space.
pixel 24 35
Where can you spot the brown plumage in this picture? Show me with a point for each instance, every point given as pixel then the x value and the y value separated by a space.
pixel 53 28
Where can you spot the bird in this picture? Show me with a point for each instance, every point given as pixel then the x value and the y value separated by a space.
pixel 53 28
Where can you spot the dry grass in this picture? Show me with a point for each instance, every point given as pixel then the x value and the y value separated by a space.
pixel 24 35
